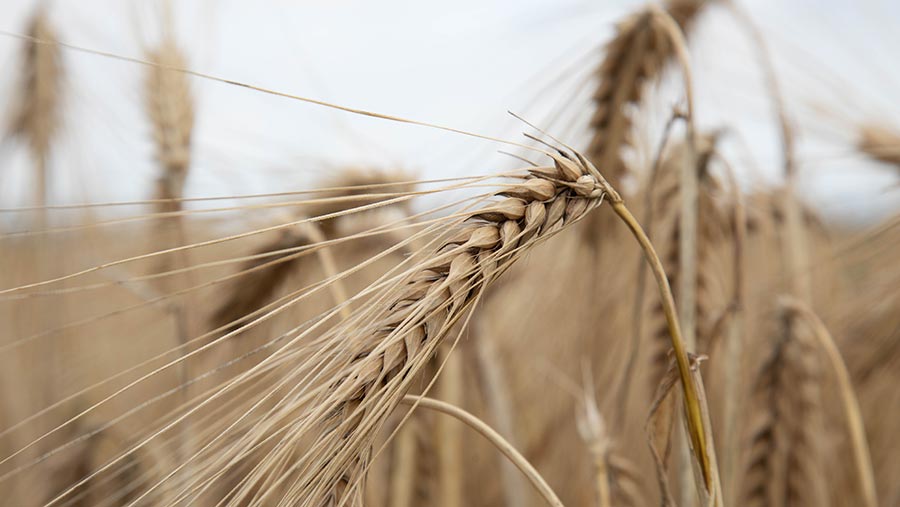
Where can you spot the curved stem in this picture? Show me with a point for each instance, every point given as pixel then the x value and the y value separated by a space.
pixel 691 400
pixel 495 438
pixel 637 313
pixel 734 344
pixel 687 230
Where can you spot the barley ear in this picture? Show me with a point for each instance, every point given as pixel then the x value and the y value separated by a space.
pixel 38 117
pixel 855 424
pixel 880 143
pixel 784 455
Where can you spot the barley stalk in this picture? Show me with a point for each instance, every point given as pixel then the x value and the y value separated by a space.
pixel 449 444
pixel 734 345
pixel 637 313
pixel 659 429
pixel 696 427
pixel 326 258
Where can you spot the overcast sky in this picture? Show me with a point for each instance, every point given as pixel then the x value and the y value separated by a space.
pixel 461 64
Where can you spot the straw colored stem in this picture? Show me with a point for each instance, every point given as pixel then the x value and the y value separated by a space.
pixel 691 400
pixel 637 317
pixel 403 473
pixel 601 482
pixel 734 339
pixel 494 438
pixel 449 437
pixel 687 246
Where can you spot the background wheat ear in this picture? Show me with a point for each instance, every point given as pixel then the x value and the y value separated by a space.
pixel 261 279
pixel 710 301
pixel 38 117
pixel 634 57
pixel 784 454
pixel 170 106
pixel 880 142
pixel 333 325
pixel 270 265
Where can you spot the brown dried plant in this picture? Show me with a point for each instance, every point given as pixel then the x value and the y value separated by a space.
pixel 271 263
pixel 880 142
pixel 634 57
pixel 713 224
pixel 784 453
pixel 435 298
pixel 170 105
pixel 38 117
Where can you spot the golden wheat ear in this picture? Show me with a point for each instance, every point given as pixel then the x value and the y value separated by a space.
pixel 261 276
pixel 396 334
pixel 169 104
pixel 879 142
pixel 634 57
pixel 38 117
pixel 784 450
pixel 665 199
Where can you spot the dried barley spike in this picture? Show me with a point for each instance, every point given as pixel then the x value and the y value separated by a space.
pixel 712 229
pixel 407 327
pixel 38 117
pixel 170 107
pixel 634 57
pixel 255 289
pixel 783 459
pixel 880 142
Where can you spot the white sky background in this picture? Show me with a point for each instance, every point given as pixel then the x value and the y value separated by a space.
pixel 461 64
